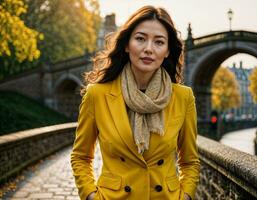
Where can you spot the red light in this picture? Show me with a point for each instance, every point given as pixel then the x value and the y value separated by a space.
pixel 214 119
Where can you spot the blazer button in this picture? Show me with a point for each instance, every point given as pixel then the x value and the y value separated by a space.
pixel 160 162
pixel 127 188
pixel 158 188
pixel 122 159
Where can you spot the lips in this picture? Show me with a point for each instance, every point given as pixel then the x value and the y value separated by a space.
pixel 147 60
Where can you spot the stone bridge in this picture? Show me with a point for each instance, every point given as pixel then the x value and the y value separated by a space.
pixel 204 56
pixel 58 85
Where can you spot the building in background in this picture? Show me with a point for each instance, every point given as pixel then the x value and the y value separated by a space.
pixel 108 26
pixel 248 109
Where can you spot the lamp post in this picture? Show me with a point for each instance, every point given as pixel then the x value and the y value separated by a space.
pixel 230 16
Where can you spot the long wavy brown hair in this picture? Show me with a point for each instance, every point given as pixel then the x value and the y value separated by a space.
pixel 109 63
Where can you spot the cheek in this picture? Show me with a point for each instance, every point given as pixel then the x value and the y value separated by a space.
pixel 162 54
pixel 134 47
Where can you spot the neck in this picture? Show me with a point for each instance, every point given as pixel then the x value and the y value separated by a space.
pixel 142 79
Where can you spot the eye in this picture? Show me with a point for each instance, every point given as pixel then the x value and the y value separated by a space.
pixel 159 42
pixel 140 39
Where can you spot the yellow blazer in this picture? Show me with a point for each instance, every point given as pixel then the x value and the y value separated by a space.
pixel 127 175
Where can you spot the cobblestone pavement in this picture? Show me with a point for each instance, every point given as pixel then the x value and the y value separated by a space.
pixel 52 179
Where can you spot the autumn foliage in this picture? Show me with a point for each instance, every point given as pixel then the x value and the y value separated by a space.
pixel 253 84
pixel 33 32
pixel 15 36
pixel 70 27
pixel 225 90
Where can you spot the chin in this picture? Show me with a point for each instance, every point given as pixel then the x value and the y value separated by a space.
pixel 148 67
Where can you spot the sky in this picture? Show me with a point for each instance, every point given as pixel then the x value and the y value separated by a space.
pixel 206 17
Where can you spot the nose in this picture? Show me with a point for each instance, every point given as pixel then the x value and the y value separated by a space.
pixel 148 48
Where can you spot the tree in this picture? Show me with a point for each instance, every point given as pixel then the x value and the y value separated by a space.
pixel 15 37
pixel 253 84
pixel 225 90
pixel 70 27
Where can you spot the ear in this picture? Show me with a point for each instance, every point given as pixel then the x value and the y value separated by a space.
pixel 167 54
pixel 126 49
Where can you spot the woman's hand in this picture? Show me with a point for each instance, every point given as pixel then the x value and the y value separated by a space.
pixel 91 196
pixel 187 197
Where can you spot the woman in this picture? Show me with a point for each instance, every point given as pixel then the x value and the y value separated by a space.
pixel 141 116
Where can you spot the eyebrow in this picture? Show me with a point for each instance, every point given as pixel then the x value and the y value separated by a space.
pixel 158 36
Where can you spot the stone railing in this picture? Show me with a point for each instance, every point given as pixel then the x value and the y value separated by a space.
pixel 226 173
pixel 18 150
pixel 222 36
pixel 47 67
pixel 204 127
pixel 70 63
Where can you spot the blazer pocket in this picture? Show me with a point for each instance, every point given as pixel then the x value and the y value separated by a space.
pixel 110 181
pixel 172 183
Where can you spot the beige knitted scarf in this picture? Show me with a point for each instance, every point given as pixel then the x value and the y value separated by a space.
pixel 145 110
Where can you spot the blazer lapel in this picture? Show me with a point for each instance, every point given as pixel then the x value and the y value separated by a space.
pixel 118 111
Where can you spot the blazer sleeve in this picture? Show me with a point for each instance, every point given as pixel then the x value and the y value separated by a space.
pixel 84 146
pixel 188 160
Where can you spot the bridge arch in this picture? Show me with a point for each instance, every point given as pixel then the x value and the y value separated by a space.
pixel 208 63
pixel 67 77
pixel 67 95
pixel 204 57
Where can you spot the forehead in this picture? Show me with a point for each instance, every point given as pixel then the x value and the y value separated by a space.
pixel 151 27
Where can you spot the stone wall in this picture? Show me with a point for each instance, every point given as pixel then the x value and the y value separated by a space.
pixel 27 83
pixel 20 149
pixel 226 173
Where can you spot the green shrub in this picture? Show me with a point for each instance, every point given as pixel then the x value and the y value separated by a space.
pixel 18 112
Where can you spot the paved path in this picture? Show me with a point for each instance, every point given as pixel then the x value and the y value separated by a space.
pixel 52 179
pixel 242 140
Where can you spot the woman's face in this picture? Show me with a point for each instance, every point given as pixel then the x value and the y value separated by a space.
pixel 147 47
